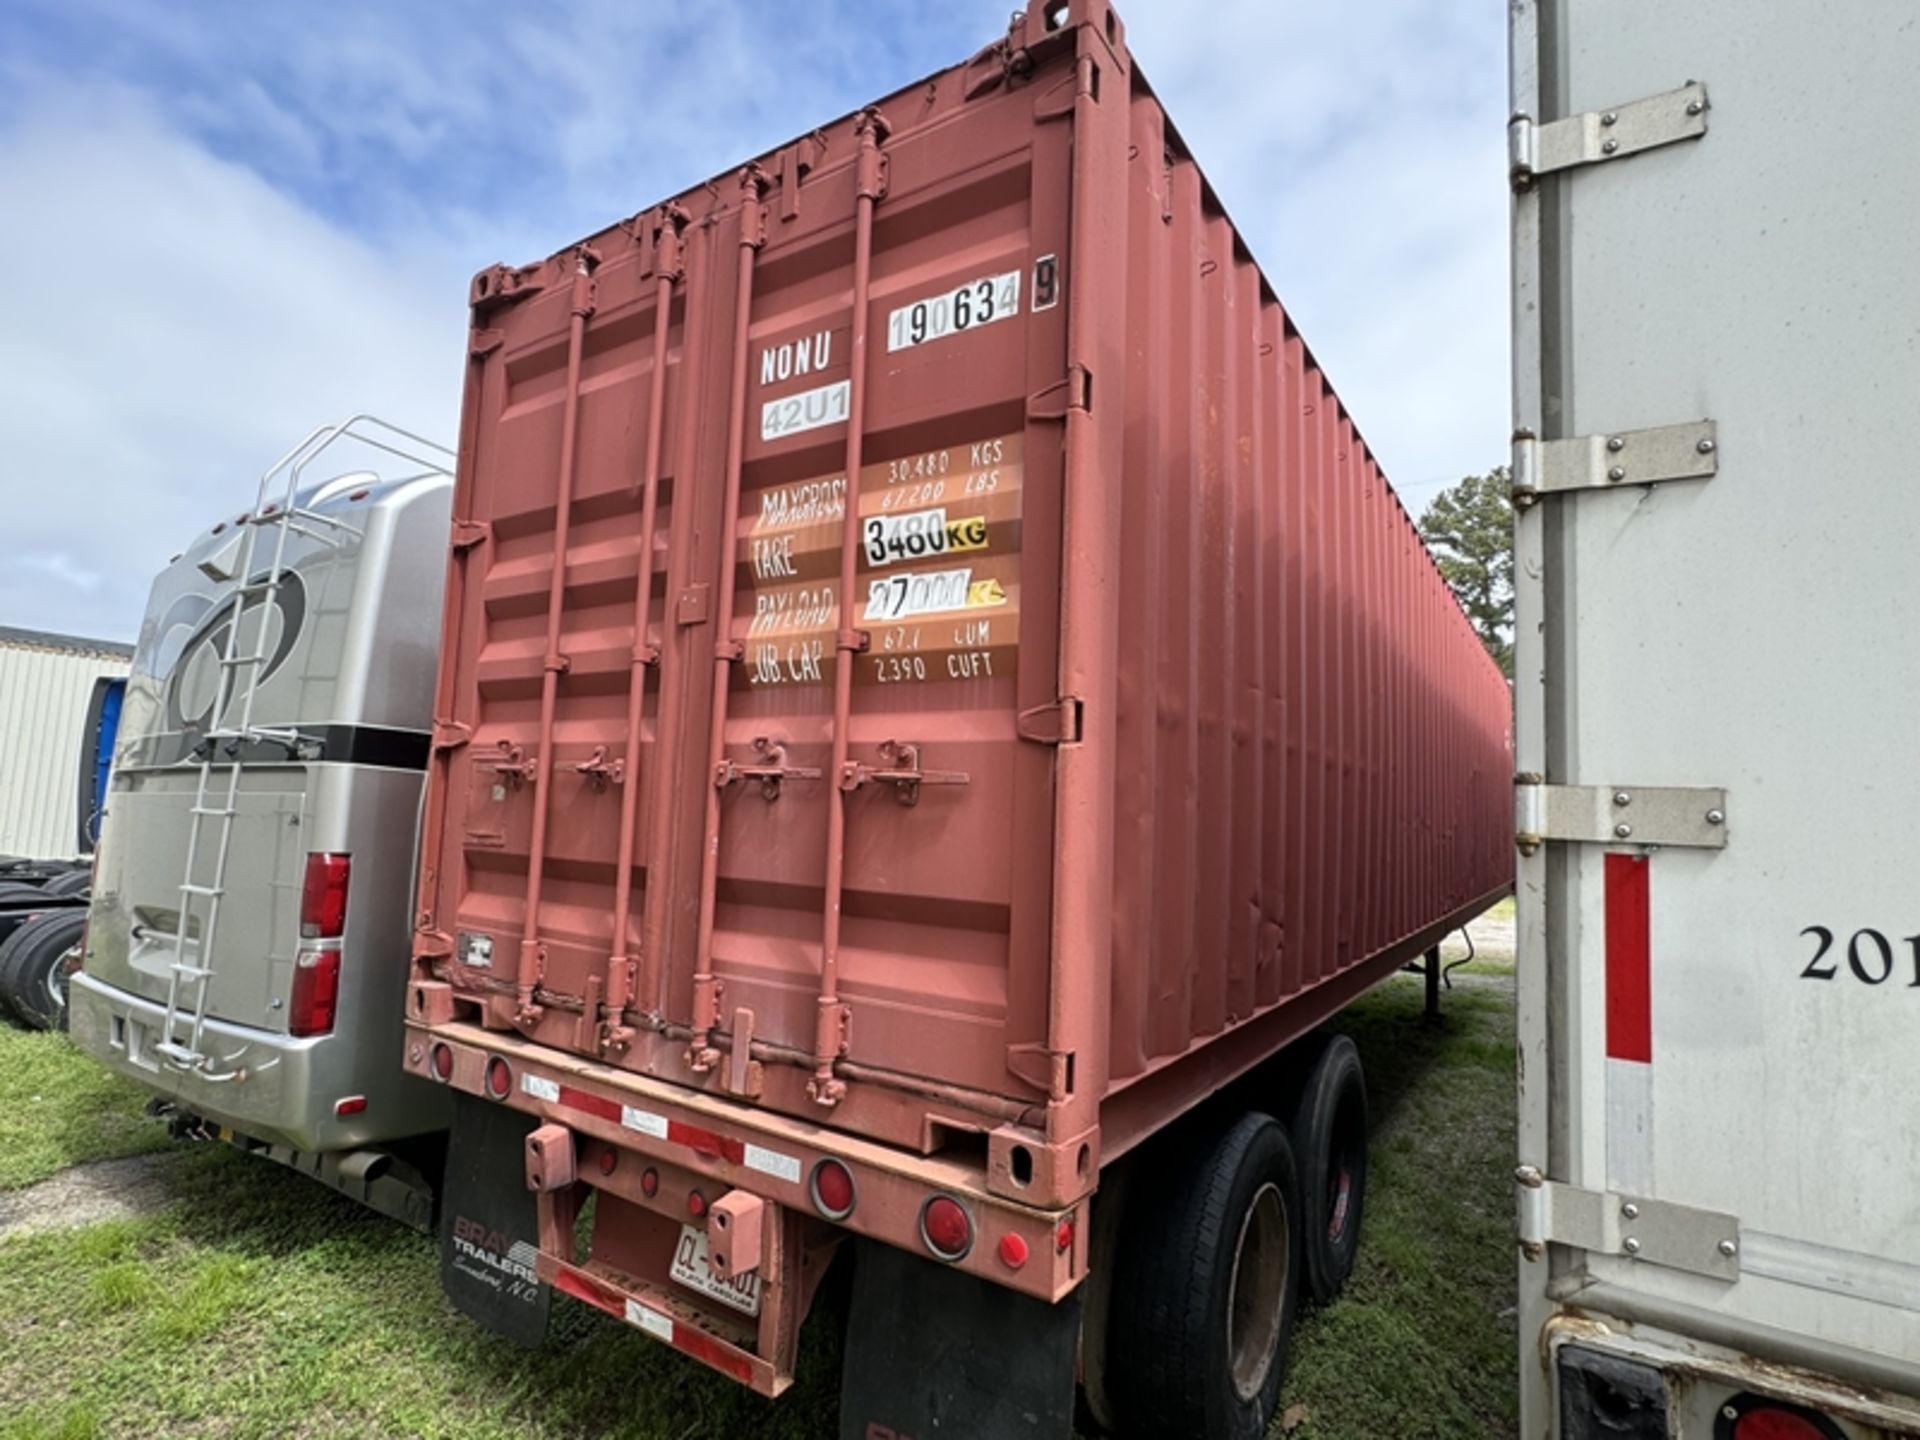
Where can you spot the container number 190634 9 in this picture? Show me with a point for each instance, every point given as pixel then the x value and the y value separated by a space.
pixel 965 307
pixel 1869 954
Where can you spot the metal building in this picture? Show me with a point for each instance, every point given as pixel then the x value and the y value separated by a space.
pixel 46 682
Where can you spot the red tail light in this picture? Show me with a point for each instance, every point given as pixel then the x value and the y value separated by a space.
pixel 1774 1420
pixel 833 1192
pixel 499 1078
pixel 946 1227
pixel 323 897
pixel 316 992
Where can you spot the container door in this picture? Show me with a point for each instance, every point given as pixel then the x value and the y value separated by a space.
pixel 955 498
pixel 1719 1009
pixel 948 834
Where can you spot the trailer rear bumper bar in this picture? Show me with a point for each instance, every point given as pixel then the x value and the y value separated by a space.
pixel 615 1114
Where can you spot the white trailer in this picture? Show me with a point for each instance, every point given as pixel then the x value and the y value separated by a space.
pixel 46 683
pixel 1717 404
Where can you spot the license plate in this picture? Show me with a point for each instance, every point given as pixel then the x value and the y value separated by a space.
pixel 690 1269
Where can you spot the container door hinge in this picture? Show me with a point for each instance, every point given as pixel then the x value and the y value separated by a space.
pixel 1598 136
pixel 1618 815
pixel 431 945
pixel 1656 1232
pixel 1043 1069
pixel 450 734
pixel 1056 102
pixel 469 533
pixel 1606 462
pixel 1073 393
pixel 1055 724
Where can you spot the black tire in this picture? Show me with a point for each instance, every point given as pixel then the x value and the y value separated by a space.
pixel 1329 1133
pixel 33 979
pixel 19 902
pixel 74 882
pixel 1206 1282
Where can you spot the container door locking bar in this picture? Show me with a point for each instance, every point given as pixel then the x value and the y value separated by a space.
pixel 1598 136
pixel 1618 815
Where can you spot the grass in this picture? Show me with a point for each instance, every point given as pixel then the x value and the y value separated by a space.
pixel 59 1108
pixel 258 1304
pixel 1423 1341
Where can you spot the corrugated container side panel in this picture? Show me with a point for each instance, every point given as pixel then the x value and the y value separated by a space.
pixel 1313 743
pixel 43 709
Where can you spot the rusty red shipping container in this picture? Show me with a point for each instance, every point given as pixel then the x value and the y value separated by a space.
pixel 933 679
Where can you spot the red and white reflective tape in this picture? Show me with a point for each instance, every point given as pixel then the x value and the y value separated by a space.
pixel 1629 1023
pixel 708 1143
pixel 689 1339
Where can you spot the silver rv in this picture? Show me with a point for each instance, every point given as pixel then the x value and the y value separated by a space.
pixel 246 950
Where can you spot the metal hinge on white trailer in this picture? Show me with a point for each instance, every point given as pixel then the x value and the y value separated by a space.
pixel 1657 1232
pixel 1690 451
pixel 1618 815
pixel 1601 135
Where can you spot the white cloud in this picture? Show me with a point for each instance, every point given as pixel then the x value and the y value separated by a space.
pixel 1361 151
pixel 221 232
pixel 174 324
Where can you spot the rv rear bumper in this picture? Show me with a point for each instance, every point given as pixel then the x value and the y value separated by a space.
pixel 279 1088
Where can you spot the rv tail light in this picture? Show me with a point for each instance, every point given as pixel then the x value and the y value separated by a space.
pixel 443 1061
pixel 946 1227
pixel 832 1187
pixel 323 897
pixel 316 991
pixel 499 1078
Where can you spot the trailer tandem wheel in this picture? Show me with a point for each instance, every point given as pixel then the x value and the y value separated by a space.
pixel 1329 1132
pixel 1206 1282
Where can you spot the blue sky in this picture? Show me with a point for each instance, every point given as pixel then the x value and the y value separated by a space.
pixel 224 223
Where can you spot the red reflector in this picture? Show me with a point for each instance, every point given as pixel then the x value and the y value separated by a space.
pixel 833 1194
pixel 323 897
pixel 1063 1236
pixel 1013 1251
pixel 1772 1422
pixel 696 1204
pixel 352 1105
pixel 316 990
pixel 443 1062
pixel 649 1182
pixel 499 1078
pixel 946 1227
pixel 608 1159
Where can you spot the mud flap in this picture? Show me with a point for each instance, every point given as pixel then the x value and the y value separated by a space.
pixel 934 1351
pixel 488 1225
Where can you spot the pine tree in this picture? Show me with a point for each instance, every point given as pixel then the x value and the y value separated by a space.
pixel 1470 531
